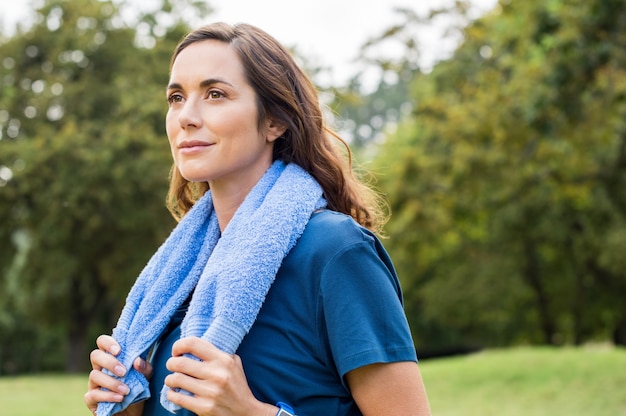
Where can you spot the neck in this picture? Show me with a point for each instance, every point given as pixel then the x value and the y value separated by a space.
pixel 227 197
pixel 225 206
pixel 229 193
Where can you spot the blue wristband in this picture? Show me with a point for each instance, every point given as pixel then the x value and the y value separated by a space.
pixel 285 410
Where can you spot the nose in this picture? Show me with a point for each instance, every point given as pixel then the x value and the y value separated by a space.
pixel 189 115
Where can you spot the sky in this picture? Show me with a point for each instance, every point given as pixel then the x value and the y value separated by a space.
pixel 328 32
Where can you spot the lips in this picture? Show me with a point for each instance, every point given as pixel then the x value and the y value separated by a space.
pixel 192 143
pixel 192 146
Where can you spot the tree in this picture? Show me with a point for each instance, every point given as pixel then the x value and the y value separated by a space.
pixel 507 182
pixel 366 114
pixel 83 171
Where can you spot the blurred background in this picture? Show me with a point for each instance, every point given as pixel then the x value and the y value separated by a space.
pixel 497 130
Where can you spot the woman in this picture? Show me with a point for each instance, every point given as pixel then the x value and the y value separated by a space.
pixel 328 335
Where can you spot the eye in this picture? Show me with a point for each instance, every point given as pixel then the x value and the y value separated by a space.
pixel 215 94
pixel 174 98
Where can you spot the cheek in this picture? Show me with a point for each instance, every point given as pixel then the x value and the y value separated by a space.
pixel 170 127
pixel 168 119
pixel 170 131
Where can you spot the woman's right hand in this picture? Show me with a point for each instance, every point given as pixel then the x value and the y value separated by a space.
pixel 102 387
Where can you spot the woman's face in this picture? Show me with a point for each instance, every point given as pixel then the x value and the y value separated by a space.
pixel 212 121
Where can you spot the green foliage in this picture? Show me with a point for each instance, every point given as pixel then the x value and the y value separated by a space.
pixel 84 165
pixel 507 185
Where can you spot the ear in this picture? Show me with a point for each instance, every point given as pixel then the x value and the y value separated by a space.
pixel 274 130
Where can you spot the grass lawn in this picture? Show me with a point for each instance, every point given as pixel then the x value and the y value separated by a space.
pixel 43 395
pixel 589 381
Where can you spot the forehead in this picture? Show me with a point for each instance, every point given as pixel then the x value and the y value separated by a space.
pixel 208 59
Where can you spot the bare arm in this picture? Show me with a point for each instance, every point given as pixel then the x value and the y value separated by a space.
pixel 389 389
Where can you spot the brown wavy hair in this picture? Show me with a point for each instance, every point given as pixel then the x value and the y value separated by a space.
pixel 286 95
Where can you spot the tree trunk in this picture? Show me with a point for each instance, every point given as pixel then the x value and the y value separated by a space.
pixel 80 319
pixel 532 275
pixel 619 333
pixel 579 302
pixel 77 354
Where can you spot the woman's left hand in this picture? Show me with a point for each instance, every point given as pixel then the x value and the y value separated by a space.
pixel 218 382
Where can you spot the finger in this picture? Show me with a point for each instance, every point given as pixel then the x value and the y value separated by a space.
pixel 99 380
pixel 187 365
pixel 108 344
pixel 143 367
pixel 189 370
pixel 92 405
pixel 103 388
pixel 102 360
pixel 93 397
pixel 197 347
pixel 190 402
pixel 189 384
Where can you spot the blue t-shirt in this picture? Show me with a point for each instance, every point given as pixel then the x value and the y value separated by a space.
pixel 336 305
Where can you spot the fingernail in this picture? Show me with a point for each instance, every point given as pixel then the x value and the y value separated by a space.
pixel 115 349
pixel 123 389
pixel 119 370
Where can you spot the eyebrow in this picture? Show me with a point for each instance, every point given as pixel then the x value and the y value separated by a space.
pixel 203 84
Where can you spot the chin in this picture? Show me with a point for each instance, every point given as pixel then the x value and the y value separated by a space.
pixel 193 173
pixel 194 179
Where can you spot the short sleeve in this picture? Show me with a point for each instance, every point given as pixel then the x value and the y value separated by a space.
pixel 362 308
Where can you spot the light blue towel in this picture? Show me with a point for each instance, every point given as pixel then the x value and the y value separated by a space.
pixel 231 273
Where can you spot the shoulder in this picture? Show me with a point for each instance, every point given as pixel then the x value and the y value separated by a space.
pixel 336 230
pixel 333 240
pixel 329 234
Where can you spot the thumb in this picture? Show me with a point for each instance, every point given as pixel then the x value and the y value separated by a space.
pixel 143 367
